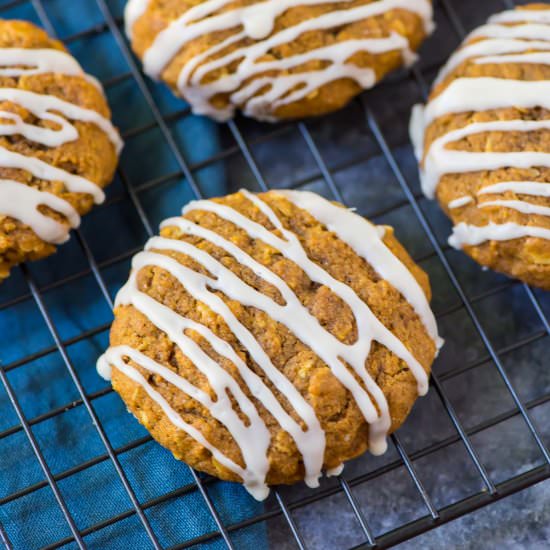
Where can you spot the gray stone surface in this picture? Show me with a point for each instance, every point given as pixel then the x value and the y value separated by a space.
pixel 521 521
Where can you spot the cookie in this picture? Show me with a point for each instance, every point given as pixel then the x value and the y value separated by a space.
pixel 483 142
pixel 274 59
pixel 264 338
pixel 58 148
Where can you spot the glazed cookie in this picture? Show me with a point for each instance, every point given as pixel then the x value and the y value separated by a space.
pixel 274 59
pixel 58 148
pixel 263 338
pixel 483 142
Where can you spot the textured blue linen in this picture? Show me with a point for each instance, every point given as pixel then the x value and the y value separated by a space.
pixel 69 439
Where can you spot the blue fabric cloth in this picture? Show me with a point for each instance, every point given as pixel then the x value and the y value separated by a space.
pixel 69 439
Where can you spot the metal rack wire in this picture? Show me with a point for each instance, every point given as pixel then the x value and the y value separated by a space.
pixel 241 140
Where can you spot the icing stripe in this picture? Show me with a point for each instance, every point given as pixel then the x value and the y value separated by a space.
pixel 40 61
pixel 257 23
pixel 37 61
pixel 521 206
pixel 133 10
pixel 335 472
pixel 460 202
pixel 38 134
pixel 307 328
pixel 472 235
pixel 311 445
pixel 202 19
pixel 525 188
pixel 520 187
pixel 42 105
pixel 540 58
pixel 42 170
pixel 531 31
pixel 440 161
pixel 21 202
pixel 293 315
pixel 519 16
pixel 486 93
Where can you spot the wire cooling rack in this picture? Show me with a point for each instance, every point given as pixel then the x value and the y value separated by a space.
pixel 479 436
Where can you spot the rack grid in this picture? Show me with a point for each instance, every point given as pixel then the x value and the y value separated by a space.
pixel 361 158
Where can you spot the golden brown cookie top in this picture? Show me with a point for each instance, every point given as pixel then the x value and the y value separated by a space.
pixel 483 141
pixel 58 148
pixel 264 337
pixel 274 59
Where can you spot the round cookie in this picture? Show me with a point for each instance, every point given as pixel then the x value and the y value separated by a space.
pixel 274 59
pixel 263 338
pixel 483 142
pixel 58 148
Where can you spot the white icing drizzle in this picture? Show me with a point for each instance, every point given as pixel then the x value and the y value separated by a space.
pixel 535 188
pixel 440 161
pixel 257 22
pixel 520 16
pixel 253 439
pixel 115 357
pixel 526 42
pixel 306 327
pixel 531 31
pixel 42 105
pixel 293 315
pixel 473 235
pixel 42 170
pixel 40 61
pixel 416 130
pixel 291 248
pixel 281 87
pixel 37 61
pixel 500 40
pixel 310 443
pixel 19 200
pixel 133 10
pixel 335 472
pixel 540 58
pixel 460 202
pixel 521 206
pixel 487 93
pixel 366 242
pixel 521 188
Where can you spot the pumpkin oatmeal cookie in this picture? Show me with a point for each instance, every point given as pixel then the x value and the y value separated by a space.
pixel 58 148
pixel 274 59
pixel 265 338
